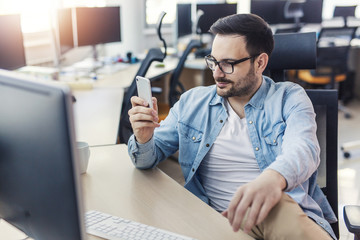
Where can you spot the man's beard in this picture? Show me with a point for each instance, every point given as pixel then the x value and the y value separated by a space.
pixel 243 87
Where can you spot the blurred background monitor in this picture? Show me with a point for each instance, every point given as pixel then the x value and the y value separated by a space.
pixel 183 19
pixel 12 52
pixel 344 11
pixel 312 11
pixel 272 11
pixel 65 30
pixel 97 25
pixel 40 191
pixel 211 13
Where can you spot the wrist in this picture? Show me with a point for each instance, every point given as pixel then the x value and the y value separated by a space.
pixel 277 178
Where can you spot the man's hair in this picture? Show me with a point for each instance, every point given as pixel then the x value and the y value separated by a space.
pixel 258 35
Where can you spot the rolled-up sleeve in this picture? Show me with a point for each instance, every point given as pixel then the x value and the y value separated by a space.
pixel 300 151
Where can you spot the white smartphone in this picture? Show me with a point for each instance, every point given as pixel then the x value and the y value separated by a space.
pixel 144 89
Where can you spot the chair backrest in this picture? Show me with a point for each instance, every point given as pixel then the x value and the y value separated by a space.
pixel 176 87
pixel 325 103
pixel 292 51
pixel 333 47
pixel 154 54
pixel 344 12
pixel 339 36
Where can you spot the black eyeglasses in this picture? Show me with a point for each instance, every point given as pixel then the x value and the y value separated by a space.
pixel 226 66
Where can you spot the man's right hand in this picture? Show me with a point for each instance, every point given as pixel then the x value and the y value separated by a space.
pixel 143 119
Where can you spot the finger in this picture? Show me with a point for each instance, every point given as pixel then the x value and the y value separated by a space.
pixel 263 213
pixel 240 212
pixel 225 213
pixel 138 126
pixel 155 106
pixel 142 110
pixel 136 101
pixel 141 117
pixel 252 216
pixel 233 205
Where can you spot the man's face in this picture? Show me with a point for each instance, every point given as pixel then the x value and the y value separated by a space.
pixel 244 81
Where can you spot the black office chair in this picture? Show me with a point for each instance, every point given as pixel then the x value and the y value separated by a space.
pixel 325 104
pixel 291 51
pixel 333 48
pixel 154 54
pixel 344 12
pixel 176 87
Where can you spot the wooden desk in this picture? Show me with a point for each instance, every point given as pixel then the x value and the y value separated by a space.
pixel 125 77
pixel 97 115
pixel 113 185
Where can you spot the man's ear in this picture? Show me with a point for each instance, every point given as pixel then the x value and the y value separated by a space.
pixel 261 62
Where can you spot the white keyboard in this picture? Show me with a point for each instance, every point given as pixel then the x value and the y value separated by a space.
pixel 116 228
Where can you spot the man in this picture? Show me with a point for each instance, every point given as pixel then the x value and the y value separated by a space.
pixel 247 146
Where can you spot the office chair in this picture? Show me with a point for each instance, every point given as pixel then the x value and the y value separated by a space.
pixel 333 48
pixel 291 51
pixel 344 12
pixel 154 54
pixel 325 104
pixel 176 87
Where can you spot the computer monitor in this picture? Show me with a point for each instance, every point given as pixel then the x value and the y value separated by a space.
pixel 65 30
pixel 183 19
pixel 272 11
pixel 97 25
pixel 345 11
pixel 40 190
pixel 312 11
pixel 212 12
pixel 12 52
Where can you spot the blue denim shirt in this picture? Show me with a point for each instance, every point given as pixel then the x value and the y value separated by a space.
pixel 282 128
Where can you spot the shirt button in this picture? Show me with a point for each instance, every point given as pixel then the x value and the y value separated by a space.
pixel 207 145
pixel 221 121
pixel 257 149
pixel 193 138
pixel 250 122
pixel 193 169
pixel 274 140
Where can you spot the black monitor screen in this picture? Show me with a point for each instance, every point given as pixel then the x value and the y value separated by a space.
pixel 212 12
pixel 39 179
pixel 345 11
pixel 312 11
pixel 98 25
pixel 65 30
pixel 183 19
pixel 272 11
pixel 12 52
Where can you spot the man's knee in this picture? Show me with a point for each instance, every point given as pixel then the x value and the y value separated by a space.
pixel 288 221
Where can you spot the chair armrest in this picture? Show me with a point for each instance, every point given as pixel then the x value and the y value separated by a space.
pixel 352 218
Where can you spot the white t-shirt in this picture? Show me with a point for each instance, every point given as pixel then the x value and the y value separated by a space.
pixel 229 163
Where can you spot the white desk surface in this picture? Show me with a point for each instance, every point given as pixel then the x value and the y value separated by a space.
pixel 124 78
pixel 113 185
pixel 97 115
pixel 97 110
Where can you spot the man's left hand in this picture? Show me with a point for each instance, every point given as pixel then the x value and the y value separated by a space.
pixel 253 201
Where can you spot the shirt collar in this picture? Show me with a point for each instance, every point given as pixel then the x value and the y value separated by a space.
pixel 257 101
